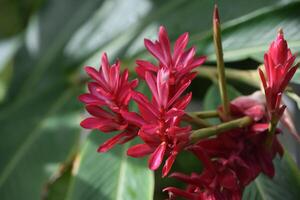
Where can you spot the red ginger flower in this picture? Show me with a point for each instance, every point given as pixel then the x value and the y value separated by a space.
pixel 110 89
pixel 278 63
pixel 159 121
pixel 217 181
pixel 234 158
pixel 180 63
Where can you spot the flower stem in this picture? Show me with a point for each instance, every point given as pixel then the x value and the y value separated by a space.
pixel 193 119
pixel 205 114
pixel 272 129
pixel 220 128
pixel 220 62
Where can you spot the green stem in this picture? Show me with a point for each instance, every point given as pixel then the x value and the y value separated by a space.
pixel 195 120
pixel 220 128
pixel 220 63
pixel 272 129
pixel 205 114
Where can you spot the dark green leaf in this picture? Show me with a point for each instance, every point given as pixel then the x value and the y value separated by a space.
pixel 212 98
pixel 284 185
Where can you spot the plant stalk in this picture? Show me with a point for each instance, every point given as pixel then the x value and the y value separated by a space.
pixel 205 114
pixel 220 128
pixel 220 62
pixel 196 121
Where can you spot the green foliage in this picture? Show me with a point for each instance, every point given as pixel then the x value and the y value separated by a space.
pixel 112 175
pixel 212 99
pixel 250 36
pixel 284 185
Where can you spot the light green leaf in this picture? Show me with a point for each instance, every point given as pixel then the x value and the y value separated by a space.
pixel 296 78
pixel 57 187
pixel 251 35
pixel 110 176
pixel 192 16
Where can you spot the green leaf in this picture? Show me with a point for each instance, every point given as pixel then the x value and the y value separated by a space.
pixel 251 35
pixel 192 16
pixel 58 185
pixel 296 78
pixel 7 49
pixel 112 175
pixel 284 185
pixel 14 15
pixel 27 160
pixel 212 97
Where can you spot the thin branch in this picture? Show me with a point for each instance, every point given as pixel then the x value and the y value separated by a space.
pixel 220 128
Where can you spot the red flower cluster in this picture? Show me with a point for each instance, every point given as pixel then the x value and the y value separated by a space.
pixel 232 159
pixel 109 95
pixel 278 63
pixel 158 120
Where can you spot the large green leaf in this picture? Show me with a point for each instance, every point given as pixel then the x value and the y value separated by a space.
pixel 7 49
pixel 250 35
pixel 26 166
pixel 111 176
pixel 191 16
pixel 284 185
pixel 212 98
pixel 14 15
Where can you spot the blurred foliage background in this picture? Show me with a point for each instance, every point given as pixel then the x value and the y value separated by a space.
pixel 44 44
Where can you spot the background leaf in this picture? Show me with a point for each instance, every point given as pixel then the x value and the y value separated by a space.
pixel 284 185
pixel 250 36
pixel 112 175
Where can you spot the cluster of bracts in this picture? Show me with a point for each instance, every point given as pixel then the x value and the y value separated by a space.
pixel 231 159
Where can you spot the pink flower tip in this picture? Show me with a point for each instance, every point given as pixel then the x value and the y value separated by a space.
pixel 216 14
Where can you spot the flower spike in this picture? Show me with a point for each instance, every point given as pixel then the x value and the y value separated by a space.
pixel 279 70
pixel 109 95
